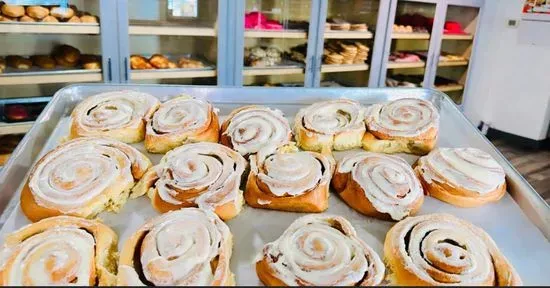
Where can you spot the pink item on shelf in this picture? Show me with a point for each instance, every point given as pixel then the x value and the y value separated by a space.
pixel 273 25
pixel 257 20
pixel 453 27
pixel 408 58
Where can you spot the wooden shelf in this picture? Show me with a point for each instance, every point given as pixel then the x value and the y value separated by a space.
pixel 68 77
pixel 330 68
pixel 452 63
pixel 458 36
pixel 348 35
pixel 404 65
pixel 450 88
pixel 48 28
pixel 171 74
pixel 171 30
pixel 253 71
pixel 15 128
pixel 420 36
pixel 298 34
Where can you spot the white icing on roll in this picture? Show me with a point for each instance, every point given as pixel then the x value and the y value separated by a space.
pixel 57 256
pixel 79 171
pixel 256 127
pixel 389 183
pixel 207 174
pixel 466 168
pixel 407 117
pixel 179 247
pixel 291 174
pixel 332 117
pixel 113 110
pixel 323 250
pixel 180 115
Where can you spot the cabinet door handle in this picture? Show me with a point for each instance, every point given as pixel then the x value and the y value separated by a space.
pixel 109 70
pixel 126 69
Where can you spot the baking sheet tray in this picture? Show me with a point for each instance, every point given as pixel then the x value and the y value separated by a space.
pixel 37 71
pixel 512 222
pixel 207 65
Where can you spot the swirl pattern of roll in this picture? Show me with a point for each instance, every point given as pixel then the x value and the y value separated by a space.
pixel 119 115
pixel 180 121
pixel 60 251
pixel 319 250
pixel 407 125
pixel 82 177
pixel 205 175
pixel 441 249
pixel 186 247
pixel 251 128
pixel 465 177
pixel 330 125
pixel 289 180
pixel 378 185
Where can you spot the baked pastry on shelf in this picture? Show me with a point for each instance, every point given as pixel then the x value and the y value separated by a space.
pixel 408 125
pixel 82 177
pixel 49 19
pixel 26 19
pixel 62 12
pixel 464 177
pixel 289 180
pixel 66 56
pixel 18 62
pixel 441 249
pixel 248 129
pixel 74 19
pixel 88 19
pixel 330 125
pixel 119 115
pixel 188 63
pixel 14 11
pixel 90 61
pixel 180 121
pixel 187 247
pixel 37 12
pixel 60 251
pixel 139 62
pixel 2 64
pixel 161 62
pixel 378 185
pixel 43 61
pixel 205 175
pixel 319 250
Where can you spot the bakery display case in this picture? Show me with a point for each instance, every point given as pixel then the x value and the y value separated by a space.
pixel 170 42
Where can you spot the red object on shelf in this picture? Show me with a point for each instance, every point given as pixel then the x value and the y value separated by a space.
pixel 16 112
pixel 453 27
pixel 257 20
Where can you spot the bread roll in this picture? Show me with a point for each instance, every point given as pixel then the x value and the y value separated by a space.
pixel 49 19
pixel 18 62
pixel 88 19
pixel 37 12
pixel 14 11
pixel 62 13
pixel 27 19
pixel 43 61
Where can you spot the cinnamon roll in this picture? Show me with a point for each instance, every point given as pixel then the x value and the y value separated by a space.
pixel 378 185
pixel 179 121
pixel 465 177
pixel 289 180
pixel 119 115
pixel 187 247
pixel 319 250
pixel 205 175
pixel 330 125
pixel 82 177
pixel 251 128
pixel 60 251
pixel 407 125
pixel 440 249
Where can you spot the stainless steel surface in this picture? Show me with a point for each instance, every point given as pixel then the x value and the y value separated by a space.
pixel 518 223
pixel 36 71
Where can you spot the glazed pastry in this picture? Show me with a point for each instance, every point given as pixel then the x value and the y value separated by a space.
pixel 90 61
pixel 67 56
pixel 14 11
pixel 289 180
pixel 43 61
pixel 205 175
pixel 49 19
pixel 162 253
pixel 407 125
pixel 27 19
pixel 161 62
pixel 138 62
pixel 179 121
pixel 378 185
pixel 82 177
pixel 464 177
pixel 37 12
pixel 119 115
pixel 88 19
pixel 60 251
pixel 440 249
pixel 62 12
pixel 184 62
pixel 336 124
pixel 319 250
pixel 19 62
pixel 251 128
pixel 74 19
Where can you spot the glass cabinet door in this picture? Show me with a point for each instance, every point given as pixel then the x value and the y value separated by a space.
pixel 172 42
pixel 43 49
pixel 275 42
pixel 348 42
pixel 408 52
pixel 456 49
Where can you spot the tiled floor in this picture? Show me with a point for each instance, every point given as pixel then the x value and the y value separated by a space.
pixel 534 165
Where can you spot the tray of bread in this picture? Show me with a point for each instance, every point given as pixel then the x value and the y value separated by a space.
pixel 187 185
